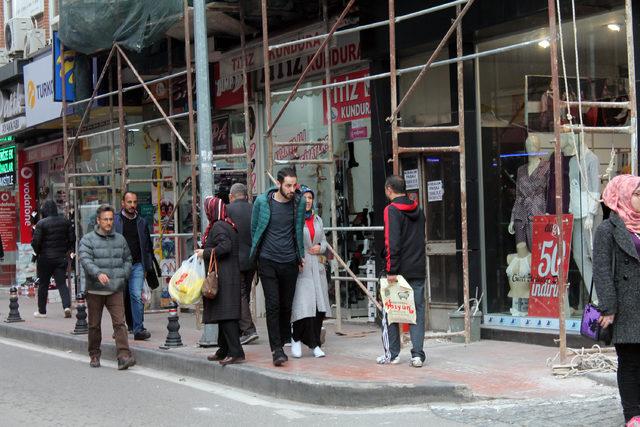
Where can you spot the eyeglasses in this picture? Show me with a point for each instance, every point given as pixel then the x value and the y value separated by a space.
pixel 105 219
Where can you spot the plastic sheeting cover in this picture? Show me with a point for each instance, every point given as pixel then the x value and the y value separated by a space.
pixel 88 26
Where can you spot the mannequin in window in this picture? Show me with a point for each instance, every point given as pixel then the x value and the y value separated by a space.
pixel 519 276
pixel 531 192
pixel 584 205
pixel 546 110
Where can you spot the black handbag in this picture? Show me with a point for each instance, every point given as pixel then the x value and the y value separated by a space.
pixel 153 274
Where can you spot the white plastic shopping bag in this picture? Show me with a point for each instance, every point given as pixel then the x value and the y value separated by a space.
pixel 185 286
pixel 398 301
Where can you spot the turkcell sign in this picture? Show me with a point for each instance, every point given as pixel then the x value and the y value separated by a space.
pixel 39 92
pixel 7 166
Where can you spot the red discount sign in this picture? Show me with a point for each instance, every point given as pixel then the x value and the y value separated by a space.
pixel 545 263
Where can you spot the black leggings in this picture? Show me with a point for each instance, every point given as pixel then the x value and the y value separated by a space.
pixel 629 379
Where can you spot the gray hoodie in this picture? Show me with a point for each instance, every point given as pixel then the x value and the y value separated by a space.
pixel 105 254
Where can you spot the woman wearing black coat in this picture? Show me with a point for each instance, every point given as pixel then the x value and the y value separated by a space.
pixel 221 239
pixel 616 275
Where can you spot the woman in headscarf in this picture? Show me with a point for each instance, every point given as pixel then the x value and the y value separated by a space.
pixel 221 238
pixel 616 262
pixel 311 298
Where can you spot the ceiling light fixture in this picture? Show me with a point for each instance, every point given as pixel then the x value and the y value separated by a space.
pixel 614 27
pixel 544 43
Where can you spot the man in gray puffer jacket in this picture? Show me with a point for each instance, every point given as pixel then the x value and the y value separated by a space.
pixel 106 261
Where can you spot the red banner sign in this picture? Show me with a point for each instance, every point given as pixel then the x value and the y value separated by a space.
pixel 349 102
pixel 8 229
pixel 545 263
pixel 27 195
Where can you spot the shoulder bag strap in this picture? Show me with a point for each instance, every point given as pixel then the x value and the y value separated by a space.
pixel 212 262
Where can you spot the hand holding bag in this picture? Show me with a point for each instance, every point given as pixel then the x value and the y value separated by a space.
pixel 210 286
pixel 590 325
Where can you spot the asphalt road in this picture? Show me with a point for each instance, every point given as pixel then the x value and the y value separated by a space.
pixel 49 388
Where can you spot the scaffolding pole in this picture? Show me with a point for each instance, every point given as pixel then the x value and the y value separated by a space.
pixel 557 127
pixel 459 129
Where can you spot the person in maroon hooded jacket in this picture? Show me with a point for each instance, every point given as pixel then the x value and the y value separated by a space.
pixel 405 255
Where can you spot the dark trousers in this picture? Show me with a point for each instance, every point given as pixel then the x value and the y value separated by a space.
pixel 279 284
pixel 246 321
pixel 58 269
pixel 229 338
pixel 115 305
pixel 629 379
pixel 126 297
pixel 308 330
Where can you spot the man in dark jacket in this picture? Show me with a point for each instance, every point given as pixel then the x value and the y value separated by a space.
pixel 106 262
pixel 277 232
pixel 405 255
pixel 53 241
pixel 135 230
pixel 239 210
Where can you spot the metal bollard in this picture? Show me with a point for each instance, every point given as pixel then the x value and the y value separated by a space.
pixel 173 336
pixel 14 313
pixel 81 315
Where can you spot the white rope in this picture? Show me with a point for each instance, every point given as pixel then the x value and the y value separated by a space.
pixel 582 166
pixel 583 362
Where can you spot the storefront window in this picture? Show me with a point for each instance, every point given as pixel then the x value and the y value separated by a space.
pixel 305 120
pixel 516 114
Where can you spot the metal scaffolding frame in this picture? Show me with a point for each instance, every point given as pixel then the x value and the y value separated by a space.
pixel 461 6
pixel 458 129
pixel 69 143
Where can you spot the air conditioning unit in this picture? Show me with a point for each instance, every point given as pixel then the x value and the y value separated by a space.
pixel 34 41
pixel 15 33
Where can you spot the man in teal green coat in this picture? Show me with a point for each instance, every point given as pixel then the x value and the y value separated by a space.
pixel 277 246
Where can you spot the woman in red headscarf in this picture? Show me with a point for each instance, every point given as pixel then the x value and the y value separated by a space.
pixel 221 238
pixel 616 275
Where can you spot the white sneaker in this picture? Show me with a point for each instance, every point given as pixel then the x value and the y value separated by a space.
pixel 67 313
pixel 380 360
pixel 416 362
pixel 296 349
pixel 317 352
pixel 39 315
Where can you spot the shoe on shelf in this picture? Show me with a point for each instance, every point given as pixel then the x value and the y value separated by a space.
pixel 39 315
pixel 317 352
pixel 217 356
pixel 416 362
pixel 380 360
pixel 296 349
pixel 248 338
pixel 279 358
pixel 230 360
pixel 67 313
pixel 95 362
pixel 142 335
pixel 126 363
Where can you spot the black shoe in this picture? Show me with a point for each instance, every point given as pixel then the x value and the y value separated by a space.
pixel 142 335
pixel 279 358
pixel 217 356
pixel 126 363
pixel 95 362
pixel 248 338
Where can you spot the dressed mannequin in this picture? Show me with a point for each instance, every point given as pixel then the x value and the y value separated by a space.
pixel 531 192
pixel 519 276
pixel 584 205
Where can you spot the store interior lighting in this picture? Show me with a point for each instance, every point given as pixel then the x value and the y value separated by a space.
pixel 614 27
pixel 544 43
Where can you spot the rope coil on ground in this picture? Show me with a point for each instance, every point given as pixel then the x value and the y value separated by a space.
pixel 583 361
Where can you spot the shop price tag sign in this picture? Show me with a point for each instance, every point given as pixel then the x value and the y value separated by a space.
pixel 545 263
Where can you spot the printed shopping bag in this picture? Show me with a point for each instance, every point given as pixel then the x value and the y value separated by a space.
pixel 398 301
pixel 185 286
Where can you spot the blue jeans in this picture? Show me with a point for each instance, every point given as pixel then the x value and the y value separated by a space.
pixel 415 331
pixel 136 282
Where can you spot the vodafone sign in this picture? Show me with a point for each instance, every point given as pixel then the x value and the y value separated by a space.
pixel 27 195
